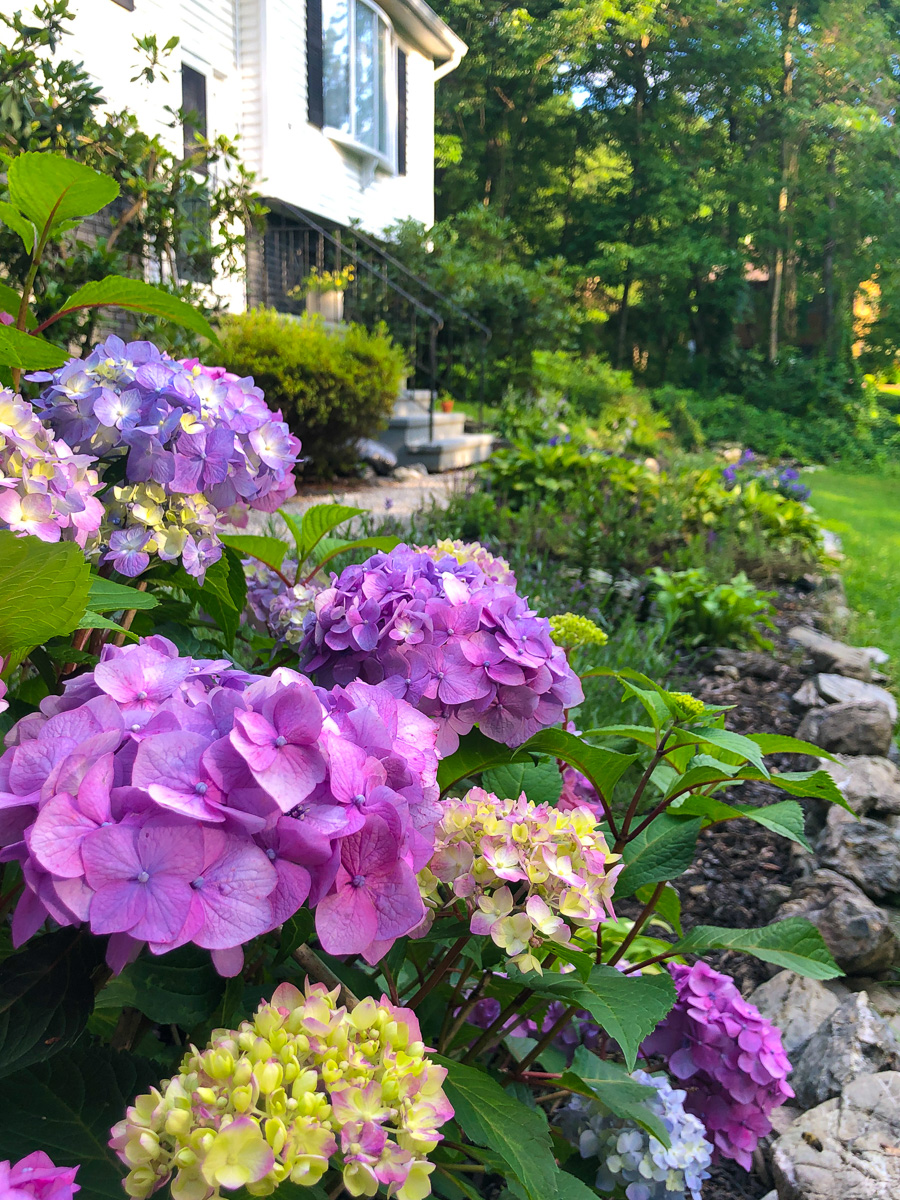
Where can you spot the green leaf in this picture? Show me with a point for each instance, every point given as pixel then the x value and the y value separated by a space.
pixel 732 743
pixel 43 590
pixel 384 544
pixel 20 225
pixel 10 300
pixel 490 1117
pixel 570 1187
pixel 663 850
pixel 785 818
pixel 46 996
pixel 627 1007
pixel 51 189
pixel 115 291
pixel 319 520
pixel 92 620
pixel 604 768
pixel 794 943
pixel 26 352
pixel 105 596
pixel 818 785
pixel 476 753
pixel 611 1084
pixel 540 781
pixel 779 743
pixel 294 932
pixel 668 906
pixel 67 1107
pixel 179 988
pixel 269 550
pixel 224 593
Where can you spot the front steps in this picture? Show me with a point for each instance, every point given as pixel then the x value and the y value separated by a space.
pixel 450 447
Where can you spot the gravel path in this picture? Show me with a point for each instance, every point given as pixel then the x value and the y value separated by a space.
pixel 400 498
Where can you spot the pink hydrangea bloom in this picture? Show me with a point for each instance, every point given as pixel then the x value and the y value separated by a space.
pixel 167 800
pixel 36 1178
pixel 728 1056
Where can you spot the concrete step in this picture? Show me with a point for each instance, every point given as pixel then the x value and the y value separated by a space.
pixel 450 453
pixel 411 401
pixel 406 429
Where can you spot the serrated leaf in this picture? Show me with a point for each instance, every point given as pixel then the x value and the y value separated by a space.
pixel 490 1117
pixel 179 988
pixel 794 943
pixel 66 1107
pixel 627 1007
pixel 46 996
pixel 106 596
pixel 384 544
pixel 92 620
pixel 540 781
pixel 731 743
pixel 604 768
pixel 26 352
pixel 664 850
pixel 10 301
pixel 779 743
pixel 14 220
pixel 223 594
pixel 43 591
pixel 785 818
pixel 269 550
pixel 51 189
pixel 818 785
pixel 319 520
pixel 668 905
pixel 475 754
pixel 611 1084
pixel 116 291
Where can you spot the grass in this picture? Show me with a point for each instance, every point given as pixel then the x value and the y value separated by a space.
pixel 864 511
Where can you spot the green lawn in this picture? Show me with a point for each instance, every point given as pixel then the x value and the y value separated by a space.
pixel 864 510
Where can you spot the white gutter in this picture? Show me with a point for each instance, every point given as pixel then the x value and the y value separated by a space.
pixel 452 62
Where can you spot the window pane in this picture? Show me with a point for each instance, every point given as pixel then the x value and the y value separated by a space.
pixel 366 76
pixel 336 65
pixel 384 50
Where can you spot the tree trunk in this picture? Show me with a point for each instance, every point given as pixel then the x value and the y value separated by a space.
pixel 778 269
pixel 622 340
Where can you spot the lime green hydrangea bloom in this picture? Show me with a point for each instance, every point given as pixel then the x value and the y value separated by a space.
pixel 305 1086
pixel 689 706
pixel 576 633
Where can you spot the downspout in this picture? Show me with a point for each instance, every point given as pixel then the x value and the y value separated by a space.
pixel 456 57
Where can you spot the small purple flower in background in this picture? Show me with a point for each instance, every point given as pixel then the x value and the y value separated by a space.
pixel 163 799
pixel 730 1058
pixel 36 1178
pixel 200 445
pixel 448 632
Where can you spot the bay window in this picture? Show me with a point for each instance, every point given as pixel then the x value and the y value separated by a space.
pixel 358 73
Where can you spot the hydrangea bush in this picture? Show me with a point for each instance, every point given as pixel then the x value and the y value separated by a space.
pixel 386 838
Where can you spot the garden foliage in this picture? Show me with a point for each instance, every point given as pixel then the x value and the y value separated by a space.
pixel 287 935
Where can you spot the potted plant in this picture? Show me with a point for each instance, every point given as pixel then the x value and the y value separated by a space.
pixel 325 292
pixel 447 404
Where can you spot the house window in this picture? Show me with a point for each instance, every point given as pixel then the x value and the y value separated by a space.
pixel 358 73
pixel 193 107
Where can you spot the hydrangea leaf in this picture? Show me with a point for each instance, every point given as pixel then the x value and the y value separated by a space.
pixel 818 785
pixel 540 781
pixel 269 550
pixel 50 189
pixel 43 591
pixel 490 1117
pixel 106 596
pixel 179 988
pixel 604 768
pixel 115 291
pixel 20 225
pixel 611 1084
pixel 785 818
pixel 26 352
pixel 627 1007
pixel 315 523
pixel 46 997
pixel 668 906
pixel 384 544
pixel 476 754
pixel 67 1107
pixel 779 743
pixel 92 620
pixel 794 943
pixel 664 850
pixel 223 594
pixel 10 300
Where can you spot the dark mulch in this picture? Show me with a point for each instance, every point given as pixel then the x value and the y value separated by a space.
pixel 730 880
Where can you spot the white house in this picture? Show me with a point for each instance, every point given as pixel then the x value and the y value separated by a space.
pixel 333 99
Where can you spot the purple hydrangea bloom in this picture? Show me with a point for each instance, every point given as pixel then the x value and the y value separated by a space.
pixel 727 1054
pixel 200 447
pixel 165 800
pixel 45 489
pixel 36 1178
pixel 440 633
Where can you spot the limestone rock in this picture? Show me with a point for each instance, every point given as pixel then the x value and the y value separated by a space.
pixel 876 655
pixel 845 1149
pixel 856 931
pixel 868 783
pixel 838 689
pixel 798 1006
pixel 864 728
pixel 807 696
pixel 853 1041
pixel 831 655
pixel 866 851
pixel 747 662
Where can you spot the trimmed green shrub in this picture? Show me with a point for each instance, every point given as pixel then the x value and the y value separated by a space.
pixel 332 386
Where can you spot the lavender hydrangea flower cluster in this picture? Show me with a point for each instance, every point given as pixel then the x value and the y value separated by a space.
pixel 167 800
pixel 306 1085
pixel 442 635
pixel 198 444
pixel 36 1178
pixel 786 481
pixel 728 1054
pixel 633 1159
pixel 45 489
pixel 491 565
pixel 280 609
